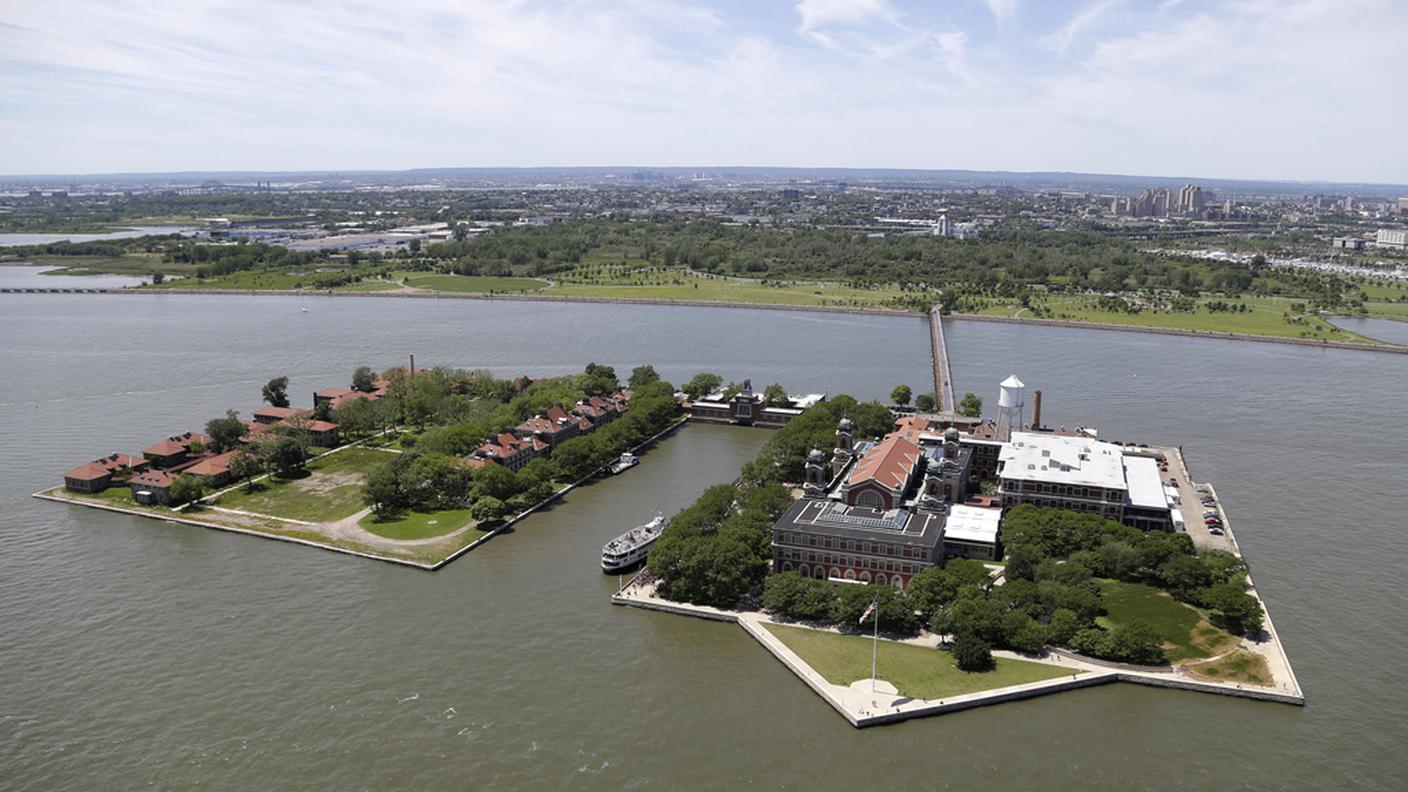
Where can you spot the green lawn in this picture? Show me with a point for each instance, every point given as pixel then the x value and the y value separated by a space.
pixel 139 264
pixel 677 285
pixel 1265 316
pixel 331 491
pixel 1186 632
pixel 472 283
pixel 420 525
pixel 120 495
pixel 915 671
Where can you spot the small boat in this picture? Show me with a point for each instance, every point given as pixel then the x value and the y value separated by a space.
pixel 626 462
pixel 631 547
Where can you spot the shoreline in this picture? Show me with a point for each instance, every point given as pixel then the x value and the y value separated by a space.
pixel 427 566
pixel 834 309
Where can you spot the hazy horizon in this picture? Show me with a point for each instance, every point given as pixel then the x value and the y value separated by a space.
pixel 1261 90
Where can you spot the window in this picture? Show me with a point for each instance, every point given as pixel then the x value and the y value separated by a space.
pixel 745 410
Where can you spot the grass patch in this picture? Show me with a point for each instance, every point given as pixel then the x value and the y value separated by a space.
pixel 915 671
pixel 1186 632
pixel 1265 316
pixel 419 525
pixel 473 283
pixel 331 491
pixel 677 285
pixel 1238 666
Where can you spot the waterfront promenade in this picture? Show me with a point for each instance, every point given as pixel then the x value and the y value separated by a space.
pixel 862 706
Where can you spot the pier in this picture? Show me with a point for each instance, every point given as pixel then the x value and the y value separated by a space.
pixel 943 377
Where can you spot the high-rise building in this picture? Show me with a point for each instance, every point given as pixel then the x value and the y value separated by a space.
pixel 1191 198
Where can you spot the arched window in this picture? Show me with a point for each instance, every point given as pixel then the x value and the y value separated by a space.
pixel 899 583
pixel 870 498
pixel 880 579
pixel 835 572
pixel 787 566
pixel 850 574
pixel 865 577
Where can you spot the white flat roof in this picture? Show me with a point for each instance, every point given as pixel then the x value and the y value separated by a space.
pixel 1146 489
pixel 1067 460
pixel 972 524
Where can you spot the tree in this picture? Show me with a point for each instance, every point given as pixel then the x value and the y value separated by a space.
pixel 285 455
pixel 901 395
pixel 383 490
pixel 496 481
pixel 244 466
pixel 605 372
pixel 703 384
pixel 488 509
pixel 362 379
pixel 971 405
pixel 925 402
pixel 187 488
pixel 642 376
pixel 356 417
pixel 1237 610
pixel 157 278
pixel 225 433
pixel 972 653
pixel 276 392
pixel 775 395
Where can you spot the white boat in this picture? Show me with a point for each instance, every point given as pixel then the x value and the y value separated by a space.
pixel 630 548
pixel 626 462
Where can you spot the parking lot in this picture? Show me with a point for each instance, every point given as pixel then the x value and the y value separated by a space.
pixel 1192 508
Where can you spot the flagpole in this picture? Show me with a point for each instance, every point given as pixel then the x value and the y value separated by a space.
pixel 875 647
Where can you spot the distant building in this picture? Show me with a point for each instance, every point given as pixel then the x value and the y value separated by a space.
pixel 1391 238
pixel 747 408
pixel 1347 243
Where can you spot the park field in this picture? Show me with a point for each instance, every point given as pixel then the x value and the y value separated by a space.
pixel 472 284
pixel 1185 631
pixel 413 525
pixel 330 489
pixel 916 671
pixel 135 264
pixel 1265 317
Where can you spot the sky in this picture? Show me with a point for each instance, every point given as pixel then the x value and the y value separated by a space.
pixel 1256 89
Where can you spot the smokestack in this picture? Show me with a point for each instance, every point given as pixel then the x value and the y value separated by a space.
pixel 1036 410
pixel 413 366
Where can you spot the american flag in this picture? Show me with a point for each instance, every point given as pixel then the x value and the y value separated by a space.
pixel 874 603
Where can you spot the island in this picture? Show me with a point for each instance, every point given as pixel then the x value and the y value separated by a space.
pixel 410 465
pixel 906 564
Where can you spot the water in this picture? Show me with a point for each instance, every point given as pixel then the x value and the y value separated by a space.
pixel 1391 330
pixel 137 653
pixel 15 240
pixel 20 276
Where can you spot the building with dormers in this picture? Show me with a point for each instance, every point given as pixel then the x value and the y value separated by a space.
pixel 876 512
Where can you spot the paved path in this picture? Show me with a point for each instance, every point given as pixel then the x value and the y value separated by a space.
pixel 943 377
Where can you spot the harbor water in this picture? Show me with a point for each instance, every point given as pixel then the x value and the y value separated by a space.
pixel 136 653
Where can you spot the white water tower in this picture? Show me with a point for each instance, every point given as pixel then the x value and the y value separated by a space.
pixel 1011 401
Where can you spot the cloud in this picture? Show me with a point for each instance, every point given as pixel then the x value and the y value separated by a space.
pixel 1002 10
pixel 1259 87
pixel 1061 40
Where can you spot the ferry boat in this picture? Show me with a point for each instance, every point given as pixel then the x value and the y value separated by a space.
pixel 630 548
pixel 626 462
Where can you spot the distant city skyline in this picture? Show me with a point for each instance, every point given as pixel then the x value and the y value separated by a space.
pixel 1262 89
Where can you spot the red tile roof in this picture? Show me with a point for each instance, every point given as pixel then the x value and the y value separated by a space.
pixel 279 413
pixel 320 426
pixel 160 479
pixel 176 444
pixel 105 466
pixel 888 464
pixel 212 466
pixel 555 414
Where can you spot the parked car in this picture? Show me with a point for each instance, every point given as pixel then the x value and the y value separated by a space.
pixel 1215 531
